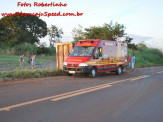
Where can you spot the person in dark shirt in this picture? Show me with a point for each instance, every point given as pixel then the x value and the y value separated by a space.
pixel 21 60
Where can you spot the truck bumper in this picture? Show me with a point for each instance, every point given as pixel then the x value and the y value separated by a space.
pixel 77 70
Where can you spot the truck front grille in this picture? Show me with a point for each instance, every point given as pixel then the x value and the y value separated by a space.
pixel 74 69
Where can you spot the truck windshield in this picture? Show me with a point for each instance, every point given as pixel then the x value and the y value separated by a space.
pixel 82 51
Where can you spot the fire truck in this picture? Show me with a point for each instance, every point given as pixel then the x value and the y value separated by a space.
pixel 94 56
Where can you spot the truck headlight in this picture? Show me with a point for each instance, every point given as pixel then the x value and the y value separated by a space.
pixel 65 63
pixel 83 64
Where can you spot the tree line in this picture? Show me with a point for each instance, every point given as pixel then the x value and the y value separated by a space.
pixel 108 31
pixel 15 30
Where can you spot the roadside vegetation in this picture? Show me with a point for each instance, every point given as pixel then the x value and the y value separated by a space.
pixel 147 57
pixel 11 62
pixel 28 50
pixel 25 74
pixel 144 57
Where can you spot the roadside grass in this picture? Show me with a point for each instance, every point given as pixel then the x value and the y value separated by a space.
pixel 147 57
pixel 144 57
pixel 25 74
pixel 12 62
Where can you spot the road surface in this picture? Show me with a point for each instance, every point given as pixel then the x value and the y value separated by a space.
pixel 131 97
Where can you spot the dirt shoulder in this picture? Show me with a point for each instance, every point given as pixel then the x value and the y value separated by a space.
pixel 19 81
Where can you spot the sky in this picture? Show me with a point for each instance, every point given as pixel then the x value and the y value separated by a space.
pixel 143 19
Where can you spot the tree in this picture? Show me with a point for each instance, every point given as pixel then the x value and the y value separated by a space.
pixel 106 32
pixel 132 46
pixel 96 33
pixel 22 29
pixel 116 30
pixel 128 40
pixel 78 33
pixel 142 45
pixel 2 35
pixel 54 34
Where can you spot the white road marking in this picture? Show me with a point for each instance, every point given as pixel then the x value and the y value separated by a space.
pixel 79 93
pixel 72 93
pixel 140 77
pixel 159 72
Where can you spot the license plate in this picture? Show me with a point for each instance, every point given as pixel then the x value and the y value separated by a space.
pixel 72 72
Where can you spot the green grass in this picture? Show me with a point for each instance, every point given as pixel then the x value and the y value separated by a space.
pixel 147 57
pixel 13 61
pixel 25 74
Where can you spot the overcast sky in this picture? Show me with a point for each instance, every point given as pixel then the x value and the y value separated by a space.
pixel 143 19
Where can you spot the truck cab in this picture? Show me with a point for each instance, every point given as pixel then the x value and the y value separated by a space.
pixel 93 56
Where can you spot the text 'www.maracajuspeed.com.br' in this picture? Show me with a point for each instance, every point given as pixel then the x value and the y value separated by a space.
pixel 40 14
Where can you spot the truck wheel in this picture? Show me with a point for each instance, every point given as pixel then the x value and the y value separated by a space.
pixel 92 73
pixel 124 69
pixel 119 71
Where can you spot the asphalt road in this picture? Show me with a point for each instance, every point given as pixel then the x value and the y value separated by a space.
pixel 131 97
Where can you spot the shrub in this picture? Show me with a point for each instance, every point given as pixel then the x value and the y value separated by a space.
pixel 31 49
pixel 46 50
pixel 27 49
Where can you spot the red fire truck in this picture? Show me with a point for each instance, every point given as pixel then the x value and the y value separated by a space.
pixel 93 56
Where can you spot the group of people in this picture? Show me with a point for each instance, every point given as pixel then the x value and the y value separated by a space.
pixel 31 60
pixel 131 61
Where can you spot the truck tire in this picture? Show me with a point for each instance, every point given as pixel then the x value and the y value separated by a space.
pixel 119 71
pixel 92 73
pixel 123 69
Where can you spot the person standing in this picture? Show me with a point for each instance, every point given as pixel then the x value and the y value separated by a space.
pixel 129 61
pixel 21 60
pixel 33 61
pixel 133 61
pixel 29 60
